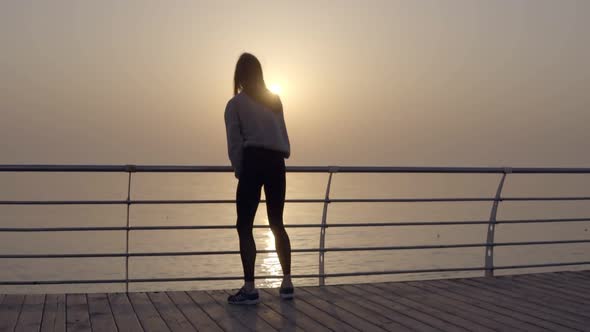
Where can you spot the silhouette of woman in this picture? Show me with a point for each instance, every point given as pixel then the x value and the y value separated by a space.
pixel 258 144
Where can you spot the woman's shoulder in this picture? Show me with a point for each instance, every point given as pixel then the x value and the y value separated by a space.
pixel 267 100
pixel 274 102
pixel 233 102
pixel 276 99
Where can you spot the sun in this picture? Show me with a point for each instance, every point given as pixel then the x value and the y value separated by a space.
pixel 275 88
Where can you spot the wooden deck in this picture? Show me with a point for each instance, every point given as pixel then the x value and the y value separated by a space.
pixel 535 302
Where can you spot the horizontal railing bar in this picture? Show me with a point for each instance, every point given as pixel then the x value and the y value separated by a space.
pixel 406 223
pixel 455 199
pixel 139 228
pixel 410 200
pixel 125 202
pixel 429 246
pixel 304 250
pixel 115 168
pixel 297 200
pixel 39 256
pixel 336 225
pixel 232 201
pixel 300 169
pixel 221 201
pixel 530 243
pixel 525 221
pixel 527 266
pixel 198 227
pixel 452 223
pixel 327 275
pixel 450 246
pixel 62 282
pixel 232 252
pixel 62 229
pixel 148 254
pixel 574 198
pixel 62 202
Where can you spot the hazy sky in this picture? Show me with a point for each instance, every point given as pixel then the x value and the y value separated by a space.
pixel 487 82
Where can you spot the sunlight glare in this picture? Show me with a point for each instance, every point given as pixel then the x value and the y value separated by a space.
pixel 271 264
pixel 275 88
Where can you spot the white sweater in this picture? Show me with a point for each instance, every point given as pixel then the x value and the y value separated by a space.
pixel 249 123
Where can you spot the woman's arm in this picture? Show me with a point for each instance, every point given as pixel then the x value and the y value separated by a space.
pixel 235 140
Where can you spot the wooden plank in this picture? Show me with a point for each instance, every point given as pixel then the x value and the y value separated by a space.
pixel 31 313
pixel 503 306
pixel 582 274
pixel 293 316
pixel 531 304
pixel 543 298
pixel 470 305
pixel 402 308
pixel 550 286
pixel 512 307
pixel 429 309
pixel 505 310
pixel 566 281
pixel 343 315
pixel 173 317
pixel 579 274
pixel 274 319
pixel 451 306
pixel 54 313
pixel 573 278
pixel 216 311
pixel 458 313
pixel 354 309
pixel 385 311
pixel 101 316
pixel 77 317
pixel 123 313
pixel 10 311
pixel 246 314
pixel 200 320
pixel 146 312
pixel 566 274
pixel 556 287
pixel 311 311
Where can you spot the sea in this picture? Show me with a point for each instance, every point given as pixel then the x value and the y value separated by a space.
pixel 196 186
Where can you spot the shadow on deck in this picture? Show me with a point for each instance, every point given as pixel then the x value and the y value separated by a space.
pixel 557 301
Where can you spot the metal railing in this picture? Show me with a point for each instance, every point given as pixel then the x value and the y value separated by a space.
pixel 489 245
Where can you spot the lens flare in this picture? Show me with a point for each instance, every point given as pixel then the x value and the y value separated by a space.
pixel 275 88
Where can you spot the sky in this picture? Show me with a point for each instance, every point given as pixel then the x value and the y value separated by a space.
pixel 400 83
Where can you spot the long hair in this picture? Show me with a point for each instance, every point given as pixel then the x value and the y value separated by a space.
pixel 248 74
pixel 248 77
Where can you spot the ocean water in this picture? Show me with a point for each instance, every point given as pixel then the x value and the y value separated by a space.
pixel 148 186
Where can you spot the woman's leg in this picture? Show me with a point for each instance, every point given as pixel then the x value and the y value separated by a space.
pixel 274 189
pixel 247 199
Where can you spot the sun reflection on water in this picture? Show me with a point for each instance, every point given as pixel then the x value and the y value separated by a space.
pixel 270 263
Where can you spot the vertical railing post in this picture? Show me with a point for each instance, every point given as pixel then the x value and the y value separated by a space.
pixel 321 275
pixel 489 250
pixel 129 169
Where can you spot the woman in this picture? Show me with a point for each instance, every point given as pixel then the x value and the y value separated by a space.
pixel 257 144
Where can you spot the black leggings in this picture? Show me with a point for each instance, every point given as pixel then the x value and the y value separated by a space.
pixel 262 167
